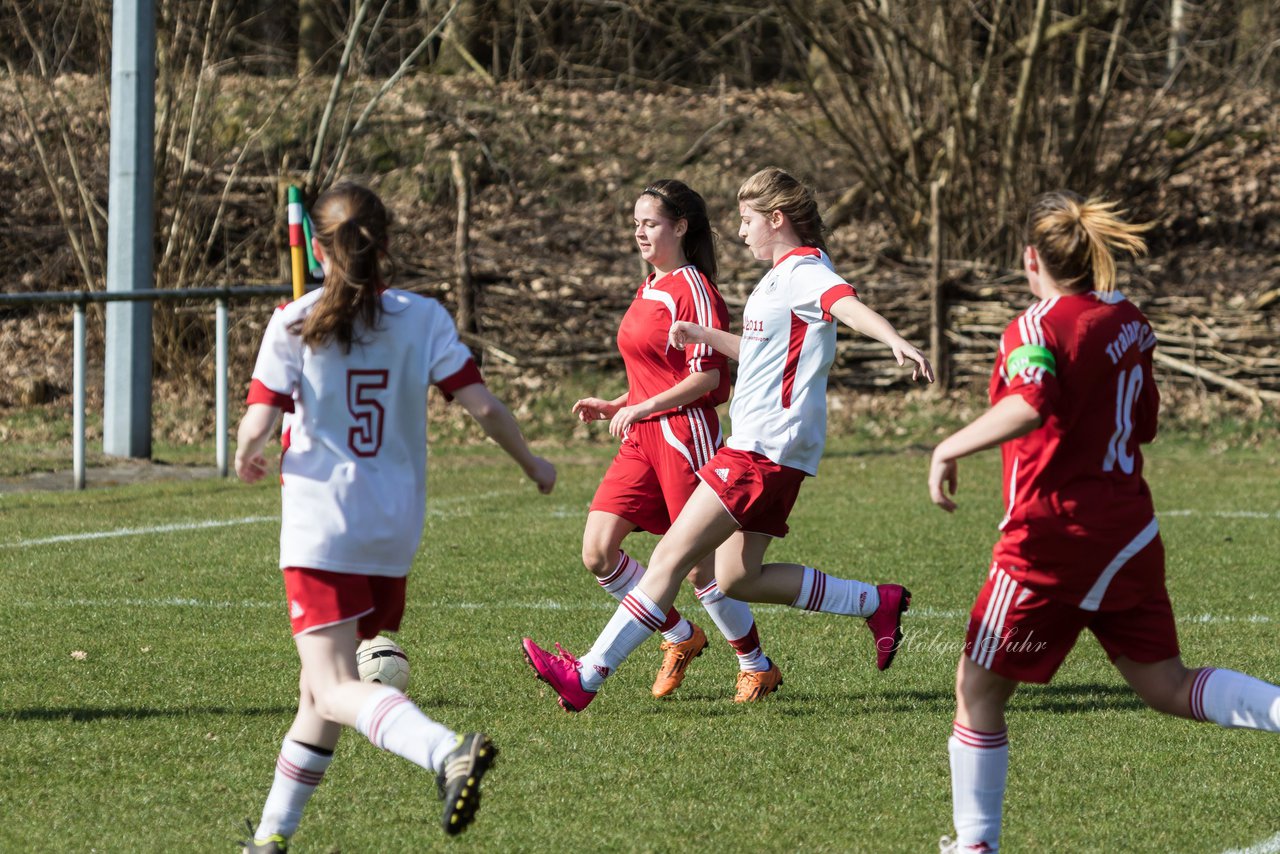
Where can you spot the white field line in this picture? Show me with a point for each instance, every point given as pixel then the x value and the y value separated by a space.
pixel 133 532
pixel 1267 846
pixel 433 510
pixel 219 523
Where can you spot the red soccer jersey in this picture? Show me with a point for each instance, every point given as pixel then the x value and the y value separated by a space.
pixel 1077 505
pixel 652 366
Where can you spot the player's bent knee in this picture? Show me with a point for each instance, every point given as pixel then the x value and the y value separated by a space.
pixel 735 586
pixel 1164 686
pixel 598 561
pixel 1167 698
pixel 326 703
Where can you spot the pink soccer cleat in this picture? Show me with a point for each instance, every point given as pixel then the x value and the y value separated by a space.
pixel 886 623
pixel 560 671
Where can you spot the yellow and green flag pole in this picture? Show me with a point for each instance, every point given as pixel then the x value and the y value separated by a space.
pixel 297 249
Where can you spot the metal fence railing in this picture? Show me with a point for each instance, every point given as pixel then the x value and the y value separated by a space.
pixel 80 299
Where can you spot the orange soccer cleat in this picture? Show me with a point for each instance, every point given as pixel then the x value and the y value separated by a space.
pixel 675 659
pixel 756 685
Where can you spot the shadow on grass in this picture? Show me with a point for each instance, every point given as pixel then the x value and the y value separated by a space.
pixel 1067 698
pixel 80 715
pixel 1076 697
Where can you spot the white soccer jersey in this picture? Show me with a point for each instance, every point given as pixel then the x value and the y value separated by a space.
pixel 353 469
pixel 779 406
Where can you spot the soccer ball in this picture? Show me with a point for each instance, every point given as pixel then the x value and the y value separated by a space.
pixel 382 660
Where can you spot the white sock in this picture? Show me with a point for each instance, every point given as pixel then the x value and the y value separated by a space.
pixel 636 618
pixel 625 576
pixel 1232 699
pixel 391 721
pixel 734 620
pixel 299 769
pixel 831 595
pixel 979 768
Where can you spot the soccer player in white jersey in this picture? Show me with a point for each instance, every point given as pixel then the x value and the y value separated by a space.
pixel 1073 400
pixel 778 415
pixel 352 363
pixel 668 428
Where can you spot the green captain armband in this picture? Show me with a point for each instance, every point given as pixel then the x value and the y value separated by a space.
pixel 1029 356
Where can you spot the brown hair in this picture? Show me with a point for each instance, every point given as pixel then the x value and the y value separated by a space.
pixel 351 225
pixel 676 200
pixel 771 189
pixel 1076 239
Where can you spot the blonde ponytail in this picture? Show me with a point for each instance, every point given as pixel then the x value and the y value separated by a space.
pixel 1077 239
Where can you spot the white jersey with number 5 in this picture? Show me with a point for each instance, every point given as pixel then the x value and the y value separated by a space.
pixel 353 469
pixel 779 407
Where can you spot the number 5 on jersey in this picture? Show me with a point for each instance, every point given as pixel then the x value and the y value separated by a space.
pixel 365 438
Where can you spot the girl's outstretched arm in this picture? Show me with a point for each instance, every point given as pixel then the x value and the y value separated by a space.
pixel 855 314
pixel 500 425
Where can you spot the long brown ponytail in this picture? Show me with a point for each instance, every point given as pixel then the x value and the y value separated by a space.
pixel 351 225
pixel 1076 239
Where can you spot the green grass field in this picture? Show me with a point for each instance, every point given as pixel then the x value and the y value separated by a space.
pixel 163 735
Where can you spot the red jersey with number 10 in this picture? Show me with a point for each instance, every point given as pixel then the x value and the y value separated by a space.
pixel 652 366
pixel 1077 505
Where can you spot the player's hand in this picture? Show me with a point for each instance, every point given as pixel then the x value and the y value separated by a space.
pixel 903 351
pixel 942 472
pixel 683 333
pixel 250 468
pixel 593 409
pixel 543 473
pixel 624 418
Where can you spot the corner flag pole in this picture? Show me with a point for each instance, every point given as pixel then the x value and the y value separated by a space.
pixel 297 252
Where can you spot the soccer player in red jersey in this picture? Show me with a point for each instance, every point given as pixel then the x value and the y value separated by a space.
pixel 351 363
pixel 1073 399
pixel 667 424
pixel 779 414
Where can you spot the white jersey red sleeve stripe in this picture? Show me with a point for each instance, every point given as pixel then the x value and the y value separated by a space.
pixel 833 296
pixel 259 393
pixel 468 375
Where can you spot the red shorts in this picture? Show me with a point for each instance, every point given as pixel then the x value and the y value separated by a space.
pixel 652 475
pixel 319 598
pixel 757 492
pixel 1020 634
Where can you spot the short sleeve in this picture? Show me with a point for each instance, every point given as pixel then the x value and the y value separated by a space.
pixel 1027 365
pixel 449 363
pixel 815 287
pixel 698 301
pixel 278 370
